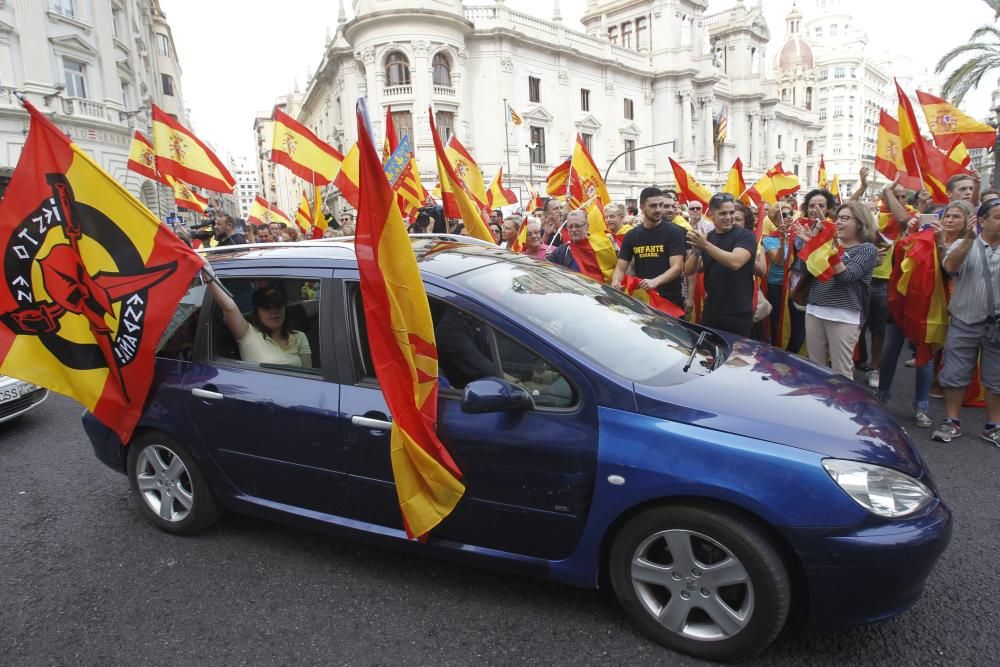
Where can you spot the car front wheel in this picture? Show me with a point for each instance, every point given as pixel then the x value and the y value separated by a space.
pixel 703 582
pixel 172 492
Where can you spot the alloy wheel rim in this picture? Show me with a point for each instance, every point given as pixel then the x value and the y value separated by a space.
pixel 164 483
pixel 692 585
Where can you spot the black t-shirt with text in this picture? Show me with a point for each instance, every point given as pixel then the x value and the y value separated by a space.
pixel 651 250
pixel 729 292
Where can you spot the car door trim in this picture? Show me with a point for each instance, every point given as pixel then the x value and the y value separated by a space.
pixel 367 422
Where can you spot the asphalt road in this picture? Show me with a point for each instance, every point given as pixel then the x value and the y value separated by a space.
pixel 85 580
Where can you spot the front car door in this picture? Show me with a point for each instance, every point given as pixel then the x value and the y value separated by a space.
pixel 529 475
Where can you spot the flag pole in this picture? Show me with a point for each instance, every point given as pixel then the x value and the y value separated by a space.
pixel 506 136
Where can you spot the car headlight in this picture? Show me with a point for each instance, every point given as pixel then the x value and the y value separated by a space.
pixel 882 491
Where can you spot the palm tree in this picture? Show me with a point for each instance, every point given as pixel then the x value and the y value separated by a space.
pixel 983 50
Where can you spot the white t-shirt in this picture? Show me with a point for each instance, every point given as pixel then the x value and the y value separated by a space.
pixel 832 314
pixel 257 348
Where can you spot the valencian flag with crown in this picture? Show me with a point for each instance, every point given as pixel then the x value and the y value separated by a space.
pixel 91 279
pixel 403 347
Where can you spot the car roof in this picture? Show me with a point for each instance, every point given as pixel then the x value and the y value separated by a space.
pixel 443 255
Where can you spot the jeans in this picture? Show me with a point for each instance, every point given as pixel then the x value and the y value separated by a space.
pixel 798 334
pixel 894 341
pixel 774 296
pixel 735 324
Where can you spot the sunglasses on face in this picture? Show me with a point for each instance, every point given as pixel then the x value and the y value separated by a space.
pixel 787 214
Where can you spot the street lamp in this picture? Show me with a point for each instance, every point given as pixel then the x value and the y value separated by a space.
pixel 531 159
pixel 607 171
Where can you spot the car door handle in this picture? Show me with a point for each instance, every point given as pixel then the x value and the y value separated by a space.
pixel 367 422
pixel 205 393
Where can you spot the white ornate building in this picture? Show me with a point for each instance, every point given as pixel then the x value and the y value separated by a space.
pixel 93 66
pixel 640 72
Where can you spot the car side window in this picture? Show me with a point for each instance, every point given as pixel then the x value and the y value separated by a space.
pixel 283 318
pixel 547 386
pixel 178 338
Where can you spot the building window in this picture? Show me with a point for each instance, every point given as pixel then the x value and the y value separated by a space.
pixel 76 78
pixel 796 145
pixel 64 7
pixel 809 148
pixel 838 112
pixel 819 32
pixel 779 141
pixel 627 35
pixel 397 69
pixel 587 140
pixel 126 95
pixel 833 30
pixel 629 109
pixel 809 99
pixel 442 70
pixel 630 155
pixel 584 99
pixel 403 122
pixel 538 141
pixel 838 73
pixel 823 74
pixel 445 122
pixel 167 82
pixel 613 34
pixel 163 44
pixel 641 34
pixel 534 89
pixel 117 22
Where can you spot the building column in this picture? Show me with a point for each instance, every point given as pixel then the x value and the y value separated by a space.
pixel 769 148
pixel 683 148
pixel 754 153
pixel 707 129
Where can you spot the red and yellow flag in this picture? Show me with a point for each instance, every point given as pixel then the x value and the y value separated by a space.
pixel 595 255
pixel 403 349
pixel 307 156
pixel 263 212
pixel 735 185
pixel 916 294
pixel 688 187
pixel 534 200
pixel 821 252
pixel 948 123
pixel 835 187
pixel 93 280
pixel 347 179
pixel 187 198
pixel 466 169
pixel 404 177
pixel 182 155
pixel 391 138
pixel 652 298
pixel 142 159
pixel 497 195
pixel 453 190
pixel 517 245
pixel 821 182
pixel 913 147
pixel 303 216
pixel 889 152
pixel 775 184
pixel 319 220
pixel 555 182
pixel 585 181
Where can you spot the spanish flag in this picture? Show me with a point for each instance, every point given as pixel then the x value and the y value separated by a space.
pixel 889 152
pixel 453 191
pixel 391 138
pixel 93 280
pixel 319 219
pixel 534 201
pixel 821 182
pixel 835 188
pixel 947 124
pixel 735 185
pixel 688 187
pixel 307 156
pixel 585 181
pixel 913 148
pixel 517 245
pixel 303 216
pixel 466 169
pixel 182 155
pixel 403 348
pixel 263 212
pixel 652 298
pixel 821 252
pixel 775 184
pixel 142 159
pixel 187 198
pixel 916 294
pixel 595 255
pixel 555 182
pixel 497 195
pixel 347 179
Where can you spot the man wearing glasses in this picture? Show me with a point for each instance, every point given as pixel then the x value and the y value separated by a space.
pixel 579 230
pixel 657 248
pixel 726 257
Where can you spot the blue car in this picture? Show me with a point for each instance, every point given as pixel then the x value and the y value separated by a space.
pixel 720 485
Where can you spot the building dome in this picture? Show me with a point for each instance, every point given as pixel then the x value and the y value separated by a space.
pixel 795 52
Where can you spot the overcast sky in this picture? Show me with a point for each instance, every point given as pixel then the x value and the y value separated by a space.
pixel 236 60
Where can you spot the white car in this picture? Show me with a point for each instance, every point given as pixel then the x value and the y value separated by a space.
pixel 18 396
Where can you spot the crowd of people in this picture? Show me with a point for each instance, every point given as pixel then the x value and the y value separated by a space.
pixel 711 264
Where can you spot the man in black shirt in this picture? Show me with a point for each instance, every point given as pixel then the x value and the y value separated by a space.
pixel 657 248
pixel 726 256
pixel 463 349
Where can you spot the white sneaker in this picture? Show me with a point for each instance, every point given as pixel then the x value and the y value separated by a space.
pixel 873 379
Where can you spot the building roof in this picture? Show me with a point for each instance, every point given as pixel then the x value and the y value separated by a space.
pixel 795 53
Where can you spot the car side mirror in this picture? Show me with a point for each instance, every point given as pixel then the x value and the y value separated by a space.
pixel 495 395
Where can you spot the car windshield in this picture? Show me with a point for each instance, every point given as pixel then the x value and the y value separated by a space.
pixel 602 324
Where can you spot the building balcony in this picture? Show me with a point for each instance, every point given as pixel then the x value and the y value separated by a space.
pixel 398 91
pixel 447 91
pixel 80 107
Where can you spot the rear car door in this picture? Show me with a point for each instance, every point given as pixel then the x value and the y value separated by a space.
pixel 272 429
pixel 529 475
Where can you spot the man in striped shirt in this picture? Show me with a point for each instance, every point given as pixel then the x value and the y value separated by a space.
pixel 974 262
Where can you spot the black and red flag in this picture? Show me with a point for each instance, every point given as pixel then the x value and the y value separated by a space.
pixel 91 279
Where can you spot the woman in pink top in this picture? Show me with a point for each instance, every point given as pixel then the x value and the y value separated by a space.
pixel 533 246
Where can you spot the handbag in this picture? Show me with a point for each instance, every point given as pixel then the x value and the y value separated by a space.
pixel 763 308
pixel 800 293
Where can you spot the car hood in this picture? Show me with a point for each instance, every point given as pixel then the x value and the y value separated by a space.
pixel 766 393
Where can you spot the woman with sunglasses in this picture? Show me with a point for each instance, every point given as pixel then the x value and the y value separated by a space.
pixel 835 307
pixel 776 248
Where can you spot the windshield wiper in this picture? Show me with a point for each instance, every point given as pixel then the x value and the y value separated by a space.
pixel 694 351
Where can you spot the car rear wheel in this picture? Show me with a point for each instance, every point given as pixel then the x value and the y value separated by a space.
pixel 703 582
pixel 172 492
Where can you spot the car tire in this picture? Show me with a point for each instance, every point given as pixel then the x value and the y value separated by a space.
pixel 168 484
pixel 704 582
